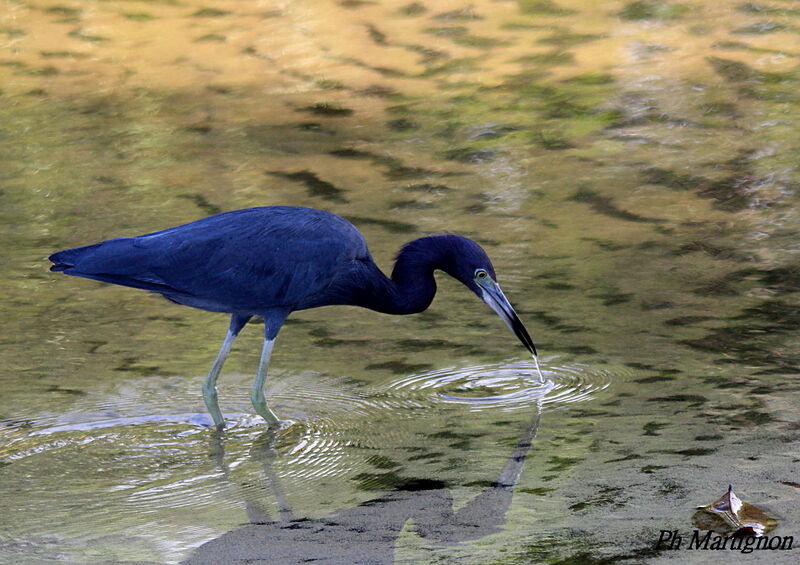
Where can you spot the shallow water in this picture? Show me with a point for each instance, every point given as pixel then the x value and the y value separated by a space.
pixel 629 166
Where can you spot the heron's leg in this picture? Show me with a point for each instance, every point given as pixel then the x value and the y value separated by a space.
pixel 257 394
pixel 210 384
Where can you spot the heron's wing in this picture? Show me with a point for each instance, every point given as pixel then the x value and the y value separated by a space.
pixel 247 259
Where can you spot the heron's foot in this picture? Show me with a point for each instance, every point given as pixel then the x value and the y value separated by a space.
pixel 214 425
pixel 261 408
pixel 210 398
pixel 284 425
pixel 273 421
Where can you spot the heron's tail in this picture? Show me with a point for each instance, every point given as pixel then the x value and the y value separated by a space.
pixel 68 258
pixel 116 261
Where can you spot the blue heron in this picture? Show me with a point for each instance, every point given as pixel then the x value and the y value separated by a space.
pixel 271 261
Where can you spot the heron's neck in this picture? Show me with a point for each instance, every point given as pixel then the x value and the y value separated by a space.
pixel 411 287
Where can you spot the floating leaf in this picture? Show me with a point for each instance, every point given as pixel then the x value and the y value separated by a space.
pixel 728 515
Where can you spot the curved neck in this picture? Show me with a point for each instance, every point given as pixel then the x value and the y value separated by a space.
pixel 411 287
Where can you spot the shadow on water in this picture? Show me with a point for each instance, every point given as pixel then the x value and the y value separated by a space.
pixel 368 532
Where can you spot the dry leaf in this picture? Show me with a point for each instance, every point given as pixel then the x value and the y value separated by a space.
pixel 728 515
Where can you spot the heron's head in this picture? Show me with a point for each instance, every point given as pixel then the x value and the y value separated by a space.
pixel 466 261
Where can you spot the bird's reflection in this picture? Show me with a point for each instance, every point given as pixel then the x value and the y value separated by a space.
pixel 367 533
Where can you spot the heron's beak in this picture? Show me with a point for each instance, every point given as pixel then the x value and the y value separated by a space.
pixel 497 301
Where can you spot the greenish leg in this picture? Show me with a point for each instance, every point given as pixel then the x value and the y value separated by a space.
pixel 257 394
pixel 210 383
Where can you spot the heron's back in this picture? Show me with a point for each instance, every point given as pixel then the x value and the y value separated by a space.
pixel 246 261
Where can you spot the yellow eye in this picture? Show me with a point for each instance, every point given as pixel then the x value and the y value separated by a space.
pixel 481 274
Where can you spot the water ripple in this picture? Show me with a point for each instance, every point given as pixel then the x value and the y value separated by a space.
pixel 507 385
pixel 128 444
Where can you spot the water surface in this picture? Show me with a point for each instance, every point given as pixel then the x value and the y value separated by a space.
pixel 629 166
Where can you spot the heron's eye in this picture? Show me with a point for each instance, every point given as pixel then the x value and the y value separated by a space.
pixel 481 274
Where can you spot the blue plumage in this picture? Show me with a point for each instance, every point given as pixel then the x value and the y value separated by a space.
pixel 270 261
pixel 245 261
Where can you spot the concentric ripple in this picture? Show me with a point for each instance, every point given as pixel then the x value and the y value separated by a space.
pixel 506 386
